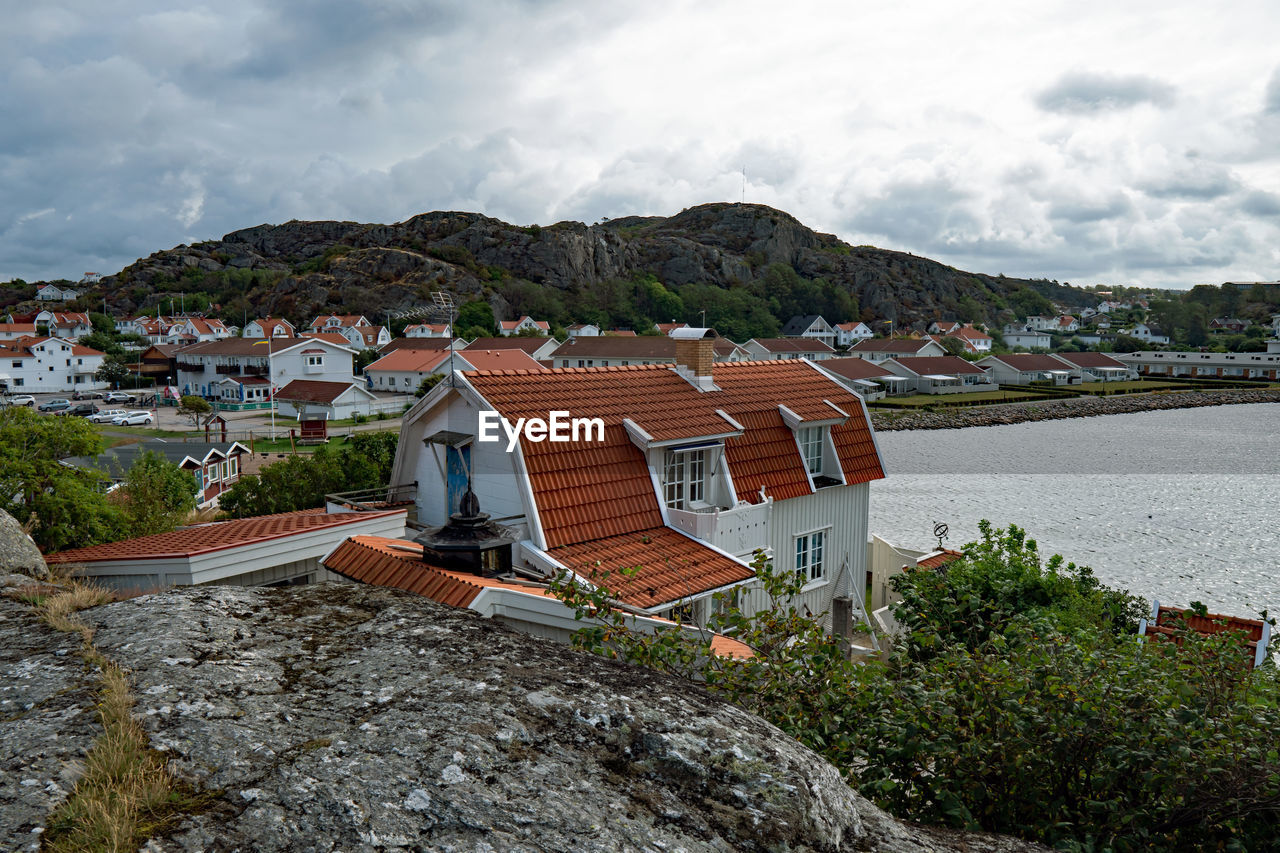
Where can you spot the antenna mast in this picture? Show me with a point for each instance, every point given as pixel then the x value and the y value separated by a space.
pixel 744 184
pixel 443 305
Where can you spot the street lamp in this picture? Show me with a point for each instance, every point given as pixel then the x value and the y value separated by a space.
pixel 271 385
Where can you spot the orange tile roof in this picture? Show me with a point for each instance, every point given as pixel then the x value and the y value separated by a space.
pixel 313 391
pixel 855 368
pixel 77 349
pixel 586 491
pixel 377 561
pixel 203 538
pixel 411 359
pixel 670 566
pixel 500 359
pixel 946 556
pixel 331 337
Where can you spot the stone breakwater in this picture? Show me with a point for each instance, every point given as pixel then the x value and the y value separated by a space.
pixel 1071 407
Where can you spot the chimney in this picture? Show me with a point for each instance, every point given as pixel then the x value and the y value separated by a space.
pixel 695 354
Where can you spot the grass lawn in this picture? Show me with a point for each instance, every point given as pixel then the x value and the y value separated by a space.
pixel 920 400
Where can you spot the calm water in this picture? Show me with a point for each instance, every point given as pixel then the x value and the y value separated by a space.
pixel 1177 505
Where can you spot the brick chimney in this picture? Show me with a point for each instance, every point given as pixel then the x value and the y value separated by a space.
pixel 695 354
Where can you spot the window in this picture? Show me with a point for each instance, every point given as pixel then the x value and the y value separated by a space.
pixel 811 448
pixel 233 467
pixel 315 361
pixel 810 555
pixel 212 475
pixel 684 478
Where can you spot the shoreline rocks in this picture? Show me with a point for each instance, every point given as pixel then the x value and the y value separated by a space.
pixel 1072 407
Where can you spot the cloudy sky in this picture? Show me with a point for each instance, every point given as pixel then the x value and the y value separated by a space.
pixel 1085 141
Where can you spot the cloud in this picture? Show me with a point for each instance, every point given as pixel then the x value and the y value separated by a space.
pixel 1084 92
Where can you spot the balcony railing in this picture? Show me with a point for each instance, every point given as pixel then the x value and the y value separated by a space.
pixel 227 369
pixel 254 369
pixel 191 366
pixel 739 530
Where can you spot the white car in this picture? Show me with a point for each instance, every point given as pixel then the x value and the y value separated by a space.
pixel 133 418
pixel 106 416
pixel 22 400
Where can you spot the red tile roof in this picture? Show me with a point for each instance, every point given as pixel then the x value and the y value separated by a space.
pixel 940 559
pixel 1022 361
pixel 586 491
pixel 529 345
pixel 386 562
pixel 500 359
pixel 412 360
pixel 203 538
pixel 331 337
pixel 669 566
pixel 77 349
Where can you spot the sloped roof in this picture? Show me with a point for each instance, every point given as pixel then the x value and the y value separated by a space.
pixel 500 359
pixel 420 344
pixel 331 337
pixel 249 346
pixel 1090 359
pixel 1023 361
pixel 792 344
pixel 78 349
pixel 938 364
pixel 378 561
pixel 799 325
pixel 593 490
pixel 855 368
pixel 116 461
pixel 203 538
pixel 411 360
pixel 669 565
pixel 902 345
pixel 529 345
pixel 315 391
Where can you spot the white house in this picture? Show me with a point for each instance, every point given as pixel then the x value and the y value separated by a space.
pixel 272 550
pixel 50 365
pixel 1207 365
pixel 868 379
pixel 539 349
pixel 334 322
pixel 268 327
pixel 193 330
pixel 403 370
pixel 672 485
pixel 811 326
pixel 506 328
pixel 1022 336
pixel 14 331
pixel 779 349
pixel 1026 368
pixel 68 325
pixel 53 293
pixel 428 330
pixel 1066 324
pixel 1097 366
pixel 583 330
pixel 331 401
pixel 943 374
pixel 1150 334
pixel 366 337
pixel 1037 323
pixel 1275 325
pixel 848 334
pixel 239 371
pixel 887 348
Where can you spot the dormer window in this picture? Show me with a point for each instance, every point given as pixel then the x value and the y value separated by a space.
pixel 684 478
pixel 811 441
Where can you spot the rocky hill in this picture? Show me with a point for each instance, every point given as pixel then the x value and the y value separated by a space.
pixel 352 717
pixel 299 269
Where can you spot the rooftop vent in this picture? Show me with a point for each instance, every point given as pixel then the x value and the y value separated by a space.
pixel 470 542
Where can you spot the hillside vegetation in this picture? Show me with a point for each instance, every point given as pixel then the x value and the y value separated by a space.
pixel 749 267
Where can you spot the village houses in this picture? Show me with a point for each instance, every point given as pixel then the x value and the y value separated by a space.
pixel 811 326
pixel 239 371
pixel 524 324
pixel 848 334
pixel 42 364
pixel 697 465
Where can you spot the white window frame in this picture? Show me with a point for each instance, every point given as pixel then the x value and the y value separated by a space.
pixel 806 545
pixel 810 438
pixel 685 478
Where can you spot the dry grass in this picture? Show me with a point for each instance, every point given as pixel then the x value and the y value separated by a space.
pixel 126 792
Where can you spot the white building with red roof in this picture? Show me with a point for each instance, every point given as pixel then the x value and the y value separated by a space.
pixel 270 550
pixel 68 325
pixel 268 327
pixel 780 349
pixel 941 374
pixel 331 401
pixel 694 467
pixel 50 365
pixel 1026 368
pixel 506 328
pixel 402 370
pixel 242 371
pixel 885 348
pixel 848 334
pixel 13 331
pixel 428 330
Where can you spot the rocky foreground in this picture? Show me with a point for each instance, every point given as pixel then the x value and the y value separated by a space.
pixel 345 717
pixel 1071 407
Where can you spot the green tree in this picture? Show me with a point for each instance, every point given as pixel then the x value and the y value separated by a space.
pixel 102 324
pixel 194 407
pixel 67 502
pixel 427 383
pixel 102 342
pixel 158 495
pixel 477 313
pixel 113 371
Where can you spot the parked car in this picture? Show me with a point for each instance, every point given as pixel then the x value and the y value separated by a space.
pixel 56 405
pixel 133 418
pixel 82 410
pixel 87 395
pixel 117 397
pixel 106 416
pixel 22 400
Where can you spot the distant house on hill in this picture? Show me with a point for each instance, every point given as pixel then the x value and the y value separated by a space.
pixel 53 293
pixel 811 326
pixel 583 330
pixel 268 327
pixel 879 350
pixel 848 334
pixel 428 330
pixel 524 323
